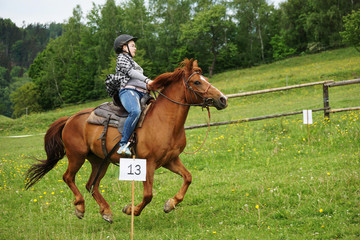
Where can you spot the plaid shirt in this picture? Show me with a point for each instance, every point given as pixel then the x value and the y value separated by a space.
pixel 117 81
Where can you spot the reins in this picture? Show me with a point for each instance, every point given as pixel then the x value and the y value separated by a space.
pixel 207 132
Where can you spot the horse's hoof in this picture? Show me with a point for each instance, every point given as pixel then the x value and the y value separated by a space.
pixel 169 206
pixel 79 214
pixel 108 218
pixel 127 209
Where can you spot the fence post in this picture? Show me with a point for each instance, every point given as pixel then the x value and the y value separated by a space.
pixel 326 101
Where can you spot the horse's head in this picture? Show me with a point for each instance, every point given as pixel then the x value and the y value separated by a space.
pixel 198 91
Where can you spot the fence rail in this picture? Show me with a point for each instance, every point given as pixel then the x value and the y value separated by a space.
pixel 342 83
pixel 278 89
pixel 327 110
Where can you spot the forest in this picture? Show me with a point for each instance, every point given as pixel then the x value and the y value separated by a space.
pixel 43 67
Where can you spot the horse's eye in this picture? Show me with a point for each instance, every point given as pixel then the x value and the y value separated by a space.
pixel 197 82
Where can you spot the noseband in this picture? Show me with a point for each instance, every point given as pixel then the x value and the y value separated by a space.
pixel 206 101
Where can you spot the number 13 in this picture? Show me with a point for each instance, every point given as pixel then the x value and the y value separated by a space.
pixel 136 170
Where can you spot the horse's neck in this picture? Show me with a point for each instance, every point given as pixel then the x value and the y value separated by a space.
pixel 172 114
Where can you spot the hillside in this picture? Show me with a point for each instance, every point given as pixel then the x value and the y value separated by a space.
pixel 341 64
pixel 250 180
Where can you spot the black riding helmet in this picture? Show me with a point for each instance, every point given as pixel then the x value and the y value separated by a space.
pixel 121 40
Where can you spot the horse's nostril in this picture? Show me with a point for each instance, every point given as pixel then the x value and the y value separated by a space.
pixel 223 100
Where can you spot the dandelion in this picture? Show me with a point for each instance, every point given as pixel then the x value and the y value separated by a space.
pixel 35 200
pixel 257 206
pixel 328 174
pixel 214 232
pixel 53 193
pixel 321 210
pixel 247 194
pixel 322 226
pixel 233 190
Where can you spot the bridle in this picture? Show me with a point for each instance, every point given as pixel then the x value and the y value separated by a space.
pixel 206 101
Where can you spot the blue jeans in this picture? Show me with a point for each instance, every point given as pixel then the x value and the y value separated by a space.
pixel 130 99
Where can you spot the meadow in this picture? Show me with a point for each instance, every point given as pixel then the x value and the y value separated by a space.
pixel 251 180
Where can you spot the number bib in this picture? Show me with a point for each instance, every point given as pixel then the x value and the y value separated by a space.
pixel 132 169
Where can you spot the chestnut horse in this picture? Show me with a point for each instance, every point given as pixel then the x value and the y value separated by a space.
pixel 160 140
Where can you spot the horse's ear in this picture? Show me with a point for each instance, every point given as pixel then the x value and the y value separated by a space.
pixel 188 65
pixel 196 67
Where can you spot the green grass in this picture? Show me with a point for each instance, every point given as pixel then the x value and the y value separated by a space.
pixel 252 180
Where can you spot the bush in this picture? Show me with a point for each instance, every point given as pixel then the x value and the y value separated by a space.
pixel 25 99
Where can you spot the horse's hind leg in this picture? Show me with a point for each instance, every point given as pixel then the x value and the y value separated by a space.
pixel 96 163
pixel 75 163
pixel 178 167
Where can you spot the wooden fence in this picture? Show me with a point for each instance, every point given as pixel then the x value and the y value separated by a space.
pixel 327 110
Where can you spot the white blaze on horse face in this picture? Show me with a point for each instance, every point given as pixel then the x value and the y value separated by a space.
pixel 204 79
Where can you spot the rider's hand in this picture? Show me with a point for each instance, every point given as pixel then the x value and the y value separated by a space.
pixel 148 84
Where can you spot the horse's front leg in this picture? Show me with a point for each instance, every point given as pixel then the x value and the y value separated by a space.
pixel 178 167
pixel 147 192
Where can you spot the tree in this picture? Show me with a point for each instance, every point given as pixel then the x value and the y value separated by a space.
pixel 293 24
pixel 9 34
pixel 137 21
pixel 351 35
pixel 256 23
pixel 280 49
pixel 75 81
pixel 46 72
pixel 109 27
pixel 4 93
pixel 205 34
pixel 168 16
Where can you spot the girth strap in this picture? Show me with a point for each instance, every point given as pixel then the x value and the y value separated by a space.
pixel 103 135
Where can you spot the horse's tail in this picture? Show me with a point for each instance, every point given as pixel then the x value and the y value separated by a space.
pixel 55 151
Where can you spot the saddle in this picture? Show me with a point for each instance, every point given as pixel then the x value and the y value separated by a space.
pixel 114 114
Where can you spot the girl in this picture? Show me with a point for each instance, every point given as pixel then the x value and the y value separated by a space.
pixel 132 86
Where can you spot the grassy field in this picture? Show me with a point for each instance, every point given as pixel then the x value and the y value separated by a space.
pixel 252 180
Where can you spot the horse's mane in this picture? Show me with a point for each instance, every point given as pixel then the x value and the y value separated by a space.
pixel 165 79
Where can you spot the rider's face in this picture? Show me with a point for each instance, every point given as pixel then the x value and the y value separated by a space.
pixel 132 48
